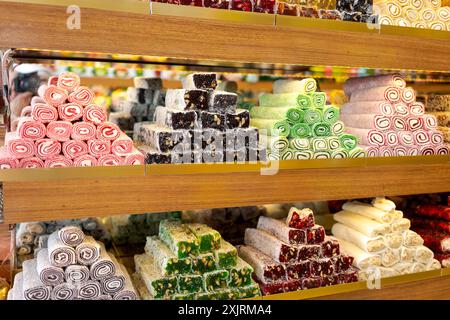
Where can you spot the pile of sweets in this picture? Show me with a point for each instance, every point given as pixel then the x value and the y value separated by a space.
pixel 424 14
pixel 378 237
pixel 432 223
pixel 33 236
pixel 140 105
pixel 134 228
pixel 63 128
pixel 384 114
pixel 199 124
pixel 439 106
pixel 73 267
pixel 192 262
pixel 294 254
pixel 300 125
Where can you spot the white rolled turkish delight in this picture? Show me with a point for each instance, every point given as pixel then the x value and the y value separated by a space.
pixel 389 257
pixel 417 267
pixel 369 211
pixel 423 255
pixel 400 225
pixel 200 81
pixel 367 226
pixel 279 229
pixel 372 245
pixel 383 204
pixel 393 240
pixel 363 259
pixel 433 265
pixel 412 239
pixel 407 254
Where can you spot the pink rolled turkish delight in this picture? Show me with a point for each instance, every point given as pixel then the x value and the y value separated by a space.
pixel 315 235
pixel 270 245
pixel 300 219
pixel 280 230
pixel 307 252
pixel 298 270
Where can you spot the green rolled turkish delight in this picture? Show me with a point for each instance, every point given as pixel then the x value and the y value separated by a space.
pixel 241 274
pixel 181 296
pixel 165 259
pixel 158 285
pixel 249 291
pixel 208 238
pixel 216 279
pixel 228 294
pixel 203 263
pixel 179 239
pixel 206 296
pixel 226 255
pixel 190 283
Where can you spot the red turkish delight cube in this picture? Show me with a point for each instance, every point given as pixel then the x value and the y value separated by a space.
pixel 330 280
pixel 300 219
pixel 272 288
pixel 307 252
pixel 292 285
pixel 217 4
pixel 342 262
pixel 312 282
pixel 299 270
pixel 322 267
pixel 264 6
pixel 315 235
pixel 242 5
pixel 351 275
pixel 196 3
pixel 330 248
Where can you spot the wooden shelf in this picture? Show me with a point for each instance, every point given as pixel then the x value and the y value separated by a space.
pixel 52 194
pixel 226 36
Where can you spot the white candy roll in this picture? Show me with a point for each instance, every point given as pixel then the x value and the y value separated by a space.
pixel 363 260
pixel 368 211
pixel 367 226
pixel 371 245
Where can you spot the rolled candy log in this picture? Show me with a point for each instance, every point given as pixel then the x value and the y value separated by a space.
pixel 361 83
pixel 133 158
pixel 47 148
pixel 114 283
pixel 371 245
pixel 308 85
pixel 391 138
pixel 110 160
pixel 270 245
pixel 369 211
pixel 128 292
pixel 377 272
pixel 434 264
pixel 362 224
pixel 70 111
pixel 421 137
pixel 390 257
pixel 26 112
pixel 182 99
pixel 35 100
pixel 407 254
pixel 88 251
pixel 82 96
pixel 7 161
pixel 177 119
pixel 68 81
pixel 414 123
pixel 401 225
pixel 401 109
pixel 408 95
pixel 406 138
pixel 59 130
pixel 391 94
pixel 393 240
pixel 427 150
pixel 107 131
pixel 53 95
pixel 436 137
pixel 266 269
pixel 73 149
pixel 77 274
pixel 64 291
pixel 300 218
pixel 89 290
pixel 122 146
pixel 417 108
pixel 71 235
pixel 58 161
pixel 98 148
pixel 33 288
pixel 368 137
pixel 182 243
pixel 44 113
pixel 423 255
pixel 83 131
pixel 362 259
pixel 200 81
pixel 368 107
pixel 32 162
pixel 94 114
pixel 383 204
pixel 49 274
pixel 429 121
pixel 17 147
pixel 60 254
pixel 104 267
pixel 282 231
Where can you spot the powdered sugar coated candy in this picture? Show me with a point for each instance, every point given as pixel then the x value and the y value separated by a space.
pixel 73 149
pixel 47 148
pixel 122 146
pixel 95 114
pixel 83 131
pixel 315 234
pixel 134 158
pixel 7 161
pixel 59 130
pixel 300 219
pixel 279 229
pixel 307 252
pixel 330 247
pixel 298 270
pixel 82 96
pixel 31 129
pixel 68 81
pixel 32 162
pixel 52 81
pixel 17 147
pixel 44 113
pixel 98 148
pixel 53 95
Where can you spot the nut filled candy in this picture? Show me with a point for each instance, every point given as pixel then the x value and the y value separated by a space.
pixel 183 296
pixel 178 238
pixel 238 119
pixel 222 101
pixel 241 274
pixel 226 255
pixel 228 294
pixel 200 81
pixel 160 138
pixel 298 270
pixel 203 263
pixel 306 252
pixel 330 247
pixel 175 119
pixel 279 229
pixel 241 138
pixel 216 279
pixel 249 291
pixel 208 238
pixel 300 219
pixel 190 284
pixel 310 283
pixel 153 156
pixel 182 99
pixel 212 120
pixel 272 288
pixel 322 267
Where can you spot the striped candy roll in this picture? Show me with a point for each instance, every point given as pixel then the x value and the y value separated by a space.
pixel 414 123
pixel 83 131
pixel 371 151
pixel 71 236
pixel 18 148
pixel 88 251
pixel 339 154
pixel 49 275
pixel 59 130
pixel 47 148
pixel 33 288
pixel 104 297
pixel 108 131
pixel 86 160
pixel 103 268
pixel 361 83
pixel 64 291
pixel 391 94
pixel 82 96
pixel 128 292
pixel 337 128
pixel 89 290
pixel 32 162
pixel 77 274
pixel 26 112
pixel 59 254
pixel 386 152
pixel 110 160
pixel 54 96
pixel 73 149
pixel 44 113
pixel 436 137
pixel 413 151
pixel 95 114
pixel 429 121
pixel 70 111
pixel 391 138
pixel 417 108
pixel 68 81
pixel 53 81
pixel 35 100
pixel 122 146
pixel 400 151
pixel 58 162
pixel 405 138
pixel 30 129
pixel 417 4
pixel 302 155
pixel 443 149
pixel 426 150
pixel 134 158
pixel 7 161
pixel 421 137
pixel 98 148
pixel 408 95
pixel 399 123
pixel 401 109
pixel 368 137
pixel 113 284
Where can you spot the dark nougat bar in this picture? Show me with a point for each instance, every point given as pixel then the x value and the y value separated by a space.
pixel 139 95
pixel 183 99
pixel 238 119
pixel 148 83
pixel 175 119
pixel 200 81
pixel 222 101
pixel 163 139
pixel 212 140
pixel 212 120
pixel 153 156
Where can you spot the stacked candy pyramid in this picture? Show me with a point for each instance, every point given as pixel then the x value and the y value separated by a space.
pixel 191 261
pixel 295 254
pixel 300 125
pixel 379 239
pixel 73 267
pixel 384 114
pixel 62 128
pixel 199 124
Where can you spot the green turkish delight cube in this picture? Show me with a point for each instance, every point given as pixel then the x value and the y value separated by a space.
pixel 241 274
pixel 206 296
pixel 158 285
pixel 203 263
pixel 249 291
pixel 179 239
pixel 190 283
pixel 228 294
pixel 226 255
pixel 165 259
pixel 216 279
pixel 180 296
pixel 208 238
